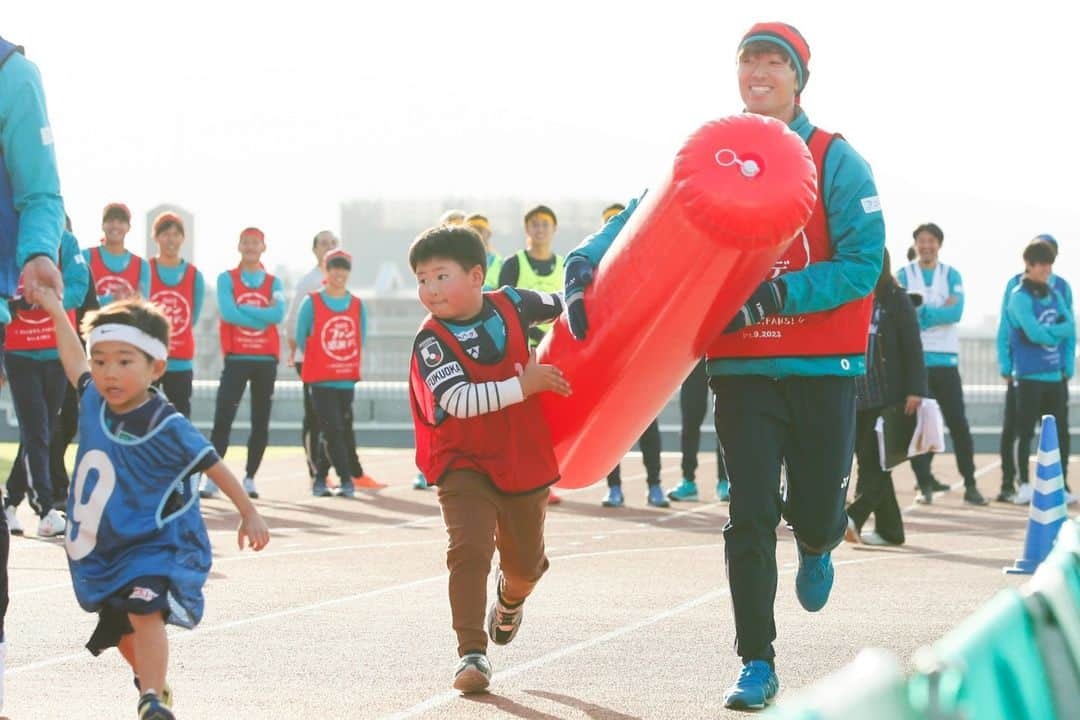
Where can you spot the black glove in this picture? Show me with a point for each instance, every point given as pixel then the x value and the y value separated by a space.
pixel 767 300
pixel 578 275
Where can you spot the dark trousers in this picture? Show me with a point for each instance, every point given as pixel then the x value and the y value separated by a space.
pixel 1007 446
pixel 945 387
pixel 1033 400
pixel 176 384
pixel 649 442
pixel 874 491
pixel 309 432
pixel 37 390
pixel 5 547
pixel 693 402
pixel 235 377
pixel 333 411
pixel 65 426
pixel 808 425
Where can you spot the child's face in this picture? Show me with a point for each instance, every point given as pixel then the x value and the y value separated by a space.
pixel 169 242
pixel 122 373
pixel 337 278
pixel 449 291
pixel 767 84
pixel 115 230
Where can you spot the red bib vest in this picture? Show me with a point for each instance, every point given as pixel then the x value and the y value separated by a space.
pixel 236 340
pixel 511 446
pixel 840 331
pixel 31 328
pixel 334 349
pixel 177 302
pixel 106 281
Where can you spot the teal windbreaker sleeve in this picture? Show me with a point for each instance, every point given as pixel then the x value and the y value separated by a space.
pixel 1004 351
pixel 200 291
pixel 268 315
pixel 1022 315
pixel 27 144
pixel 230 313
pixel 951 314
pixel 305 318
pixel 857 227
pixel 595 246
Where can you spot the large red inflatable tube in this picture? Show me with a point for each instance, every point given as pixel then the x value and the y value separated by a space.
pixel 700 242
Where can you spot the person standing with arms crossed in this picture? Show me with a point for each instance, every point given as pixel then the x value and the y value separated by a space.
pixel 31 217
pixel 252 303
pixel 942 291
pixel 788 399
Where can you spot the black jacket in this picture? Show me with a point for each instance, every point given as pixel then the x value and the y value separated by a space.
pixel 895 367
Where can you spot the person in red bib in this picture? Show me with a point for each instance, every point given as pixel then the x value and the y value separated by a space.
pixel 481 436
pixel 115 272
pixel 330 330
pixel 176 286
pixel 37 383
pixel 252 303
pixel 783 369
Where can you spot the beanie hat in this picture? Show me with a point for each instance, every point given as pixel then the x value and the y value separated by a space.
pixel 1047 237
pixel 118 211
pixel 166 220
pixel 788 38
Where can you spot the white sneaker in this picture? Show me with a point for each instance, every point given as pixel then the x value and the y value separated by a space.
pixel 249 488
pixel 207 488
pixel 1070 499
pixel 52 525
pixel 14 526
pixel 872 538
pixel 1023 495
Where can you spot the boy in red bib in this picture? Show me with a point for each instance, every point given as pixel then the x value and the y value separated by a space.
pixel 330 330
pixel 480 435
pixel 116 272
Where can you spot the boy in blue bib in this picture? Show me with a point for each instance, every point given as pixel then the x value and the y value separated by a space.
pixel 137 546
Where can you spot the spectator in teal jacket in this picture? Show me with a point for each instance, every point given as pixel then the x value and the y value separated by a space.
pixel 789 408
pixel 1007 446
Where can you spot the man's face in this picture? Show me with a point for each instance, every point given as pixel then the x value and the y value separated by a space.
pixel 767 84
pixel 115 229
pixel 540 229
pixel 324 243
pixel 1040 272
pixel 251 248
pixel 169 242
pixel 927 246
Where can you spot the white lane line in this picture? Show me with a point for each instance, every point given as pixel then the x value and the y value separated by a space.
pixel 449 696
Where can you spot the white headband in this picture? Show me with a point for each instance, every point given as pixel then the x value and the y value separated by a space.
pixel 131 335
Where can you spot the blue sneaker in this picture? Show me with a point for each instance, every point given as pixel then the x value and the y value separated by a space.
pixel 347 489
pixel 319 489
pixel 723 490
pixel 614 497
pixel 420 483
pixel 686 491
pixel 814 579
pixel 656 497
pixel 756 687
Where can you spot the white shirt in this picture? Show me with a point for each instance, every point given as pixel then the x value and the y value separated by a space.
pixel 308 284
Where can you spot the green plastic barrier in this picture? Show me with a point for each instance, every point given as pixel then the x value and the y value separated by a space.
pixel 881 693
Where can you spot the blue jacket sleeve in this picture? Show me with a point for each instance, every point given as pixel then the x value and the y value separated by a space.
pixel 1022 315
pixel 268 315
pixel 230 313
pixel 1004 351
pixel 305 318
pixel 857 230
pixel 27 145
pixel 594 247
pixel 200 290
pixel 76 274
pixel 931 316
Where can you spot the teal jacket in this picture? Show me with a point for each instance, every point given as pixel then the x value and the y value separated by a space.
pixel 1024 313
pixel 1004 350
pixel 118 263
pixel 171 276
pixel 76 283
pixel 249 316
pixel 932 316
pixel 857 231
pixel 27 144
pixel 305 319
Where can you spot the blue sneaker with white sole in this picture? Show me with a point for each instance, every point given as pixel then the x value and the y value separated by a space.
pixel 656 497
pixel 614 497
pixel 814 581
pixel 684 491
pixel 756 687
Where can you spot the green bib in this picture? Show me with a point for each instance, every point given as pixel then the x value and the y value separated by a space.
pixel 529 280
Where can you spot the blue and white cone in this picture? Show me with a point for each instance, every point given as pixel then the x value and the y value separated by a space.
pixel 1047 502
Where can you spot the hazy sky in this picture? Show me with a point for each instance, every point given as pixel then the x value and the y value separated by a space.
pixel 273 113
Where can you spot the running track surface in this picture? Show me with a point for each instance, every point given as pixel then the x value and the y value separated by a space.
pixel 345 614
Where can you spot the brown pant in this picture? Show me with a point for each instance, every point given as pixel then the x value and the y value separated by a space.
pixel 479 519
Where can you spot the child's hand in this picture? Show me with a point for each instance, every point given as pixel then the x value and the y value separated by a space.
pixel 536 378
pixel 46 298
pixel 254 528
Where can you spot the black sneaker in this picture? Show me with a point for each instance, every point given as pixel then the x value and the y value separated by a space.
pixel 473 674
pixel 938 487
pixel 503 622
pixel 972 496
pixel 925 497
pixel 1007 495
